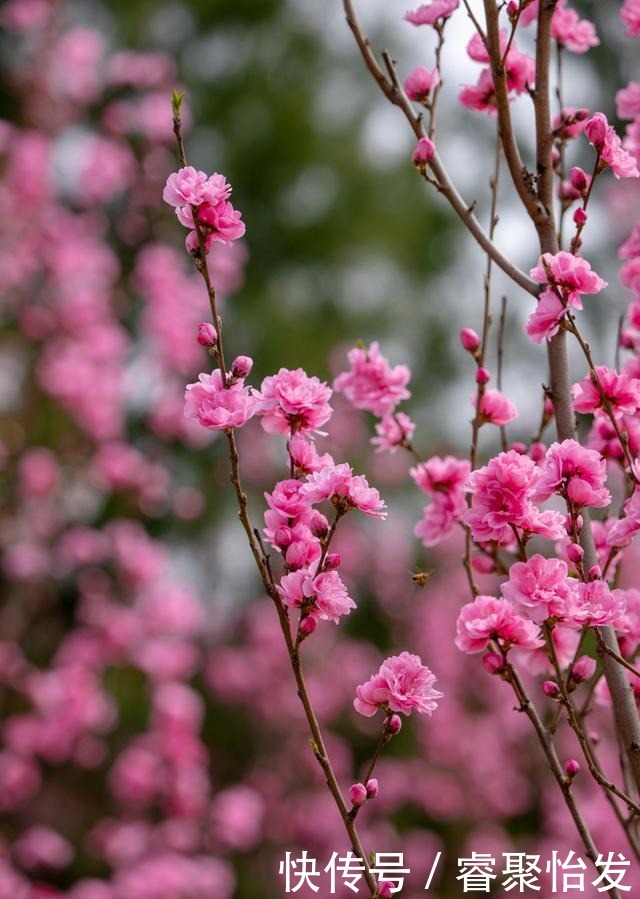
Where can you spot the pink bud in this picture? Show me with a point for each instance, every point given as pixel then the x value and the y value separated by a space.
pixel 207 334
pixel 332 561
pixel 483 376
pixel 594 736
pixel 423 152
pixel 537 451
pixel 493 663
pixel 578 178
pixel 548 406
pixel 596 130
pixel 571 767
pixel 581 114
pixel 385 889
pixel 308 625
pixel 519 447
pixel 583 669
pixel 575 553
pixel 595 573
pixel 555 155
pixel 626 339
pixel 551 689
pixel 282 536
pixel 580 217
pixel 512 9
pixel 483 564
pixel 393 724
pixel 242 366
pixel 372 788
pixel 469 340
pixel 357 795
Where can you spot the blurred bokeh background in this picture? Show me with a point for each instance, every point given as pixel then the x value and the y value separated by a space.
pixel 152 744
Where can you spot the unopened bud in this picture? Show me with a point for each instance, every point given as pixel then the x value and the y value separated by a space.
pixel 578 178
pixel 551 689
pixel 469 340
pixel 626 339
pixel 512 9
pixel 357 795
pixel 307 625
pixel 385 889
pixel 483 376
pixel 483 564
pixel 242 366
pixel 423 152
pixel 332 561
pixel 393 725
pixel 372 788
pixel 580 217
pixel 493 663
pixel 207 334
pixel 595 573
pixel 571 767
pixel 583 669
pixel 282 536
pixel 575 553
pixel 519 447
pixel 537 451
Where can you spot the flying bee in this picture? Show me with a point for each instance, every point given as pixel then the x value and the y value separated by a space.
pixel 421 578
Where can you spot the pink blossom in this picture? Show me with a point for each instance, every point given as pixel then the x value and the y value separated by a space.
pixel 218 407
pixel 337 482
pixel 494 408
pixel 544 321
pixel 441 475
pixel 392 432
pixel 621 392
pixel 420 82
pixel 371 383
pixel 630 275
pixel 572 470
pixel 305 456
pixel 595 604
pixel 630 17
pixel 576 34
pixel 488 618
pixel 628 101
pixel 440 517
pixel 430 13
pixel 631 247
pixel 185 186
pixel 570 275
pixel 603 138
pixel 402 684
pixel 481 96
pixel 627 527
pixel 538 587
pixel 42 847
pixel 291 402
pixel 502 498
pixel 319 596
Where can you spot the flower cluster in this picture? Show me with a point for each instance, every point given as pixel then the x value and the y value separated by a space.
pixel 193 193
pixel 403 684
pixel 519 69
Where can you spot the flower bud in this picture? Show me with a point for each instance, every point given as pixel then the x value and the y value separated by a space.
pixel 469 340
pixel 580 217
pixel 282 537
pixel 385 889
pixel 575 553
pixel 583 669
pixel 571 767
pixel 551 689
pixel 512 9
pixel 483 564
pixel 578 178
pixel 307 625
pixel 493 663
pixel 423 152
pixel 537 451
pixel 595 573
pixel 357 795
pixel 372 788
pixel 332 561
pixel 581 114
pixel 483 376
pixel 596 130
pixel 393 725
pixel 626 339
pixel 242 366
pixel 519 447
pixel 207 334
